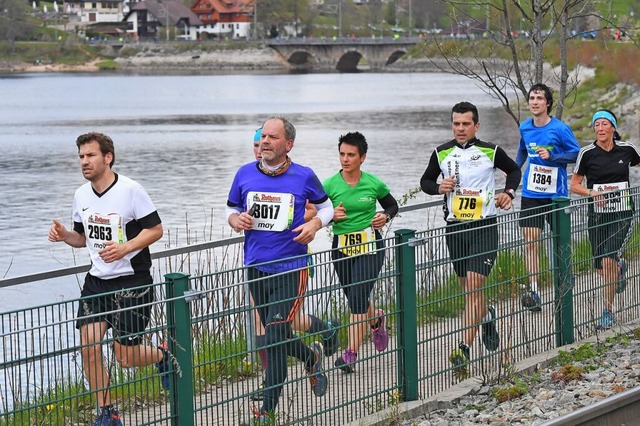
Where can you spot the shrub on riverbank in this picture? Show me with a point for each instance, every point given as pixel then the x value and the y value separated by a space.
pixel 34 52
pixel 615 64
pixel 107 65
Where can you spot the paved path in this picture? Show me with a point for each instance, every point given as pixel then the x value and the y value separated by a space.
pixel 373 386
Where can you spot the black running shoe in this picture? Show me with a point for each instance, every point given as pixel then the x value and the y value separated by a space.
pixel 317 376
pixel 490 336
pixel 460 358
pixel 258 395
pixel 330 337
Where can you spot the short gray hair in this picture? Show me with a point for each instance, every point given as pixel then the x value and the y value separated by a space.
pixel 289 128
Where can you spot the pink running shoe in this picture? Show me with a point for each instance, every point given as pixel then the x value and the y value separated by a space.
pixel 347 361
pixel 379 334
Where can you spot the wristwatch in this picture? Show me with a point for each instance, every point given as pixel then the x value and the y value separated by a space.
pixel 510 192
pixel 388 217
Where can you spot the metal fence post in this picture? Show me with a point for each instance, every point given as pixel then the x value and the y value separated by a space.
pixel 249 324
pixel 407 324
pixel 562 271
pixel 179 339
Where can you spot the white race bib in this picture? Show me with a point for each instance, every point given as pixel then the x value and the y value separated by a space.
pixel 616 199
pixel 542 179
pixel 271 211
pixel 100 228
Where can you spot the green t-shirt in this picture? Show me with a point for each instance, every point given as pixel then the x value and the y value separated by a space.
pixel 359 201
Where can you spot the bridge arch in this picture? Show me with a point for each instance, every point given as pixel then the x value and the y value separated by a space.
pixel 342 55
pixel 395 56
pixel 349 61
pixel 301 59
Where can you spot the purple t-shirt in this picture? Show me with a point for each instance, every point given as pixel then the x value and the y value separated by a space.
pixel 277 204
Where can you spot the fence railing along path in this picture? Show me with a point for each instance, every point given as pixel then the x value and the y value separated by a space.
pixel 523 334
pixel 215 387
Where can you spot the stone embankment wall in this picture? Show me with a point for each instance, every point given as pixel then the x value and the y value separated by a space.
pixel 153 59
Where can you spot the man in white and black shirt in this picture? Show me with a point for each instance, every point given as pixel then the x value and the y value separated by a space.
pixel 114 218
pixel 466 169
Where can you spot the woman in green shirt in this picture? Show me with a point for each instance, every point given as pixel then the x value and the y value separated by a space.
pixel 358 248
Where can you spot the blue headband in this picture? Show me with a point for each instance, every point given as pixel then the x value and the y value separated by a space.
pixel 604 114
pixel 256 137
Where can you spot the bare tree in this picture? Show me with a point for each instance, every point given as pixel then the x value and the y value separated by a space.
pixel 517 30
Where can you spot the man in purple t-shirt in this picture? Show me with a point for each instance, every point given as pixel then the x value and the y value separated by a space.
pixel 267 201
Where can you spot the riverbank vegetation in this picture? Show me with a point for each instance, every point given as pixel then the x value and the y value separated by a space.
pixel 612 84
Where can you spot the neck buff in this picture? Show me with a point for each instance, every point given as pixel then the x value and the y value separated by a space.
pixel 277 170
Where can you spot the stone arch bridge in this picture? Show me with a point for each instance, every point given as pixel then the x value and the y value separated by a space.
pixel 342 54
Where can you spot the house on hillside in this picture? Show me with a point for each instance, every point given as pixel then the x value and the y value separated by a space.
pixel 95 11
pixel 224 18
pixel 145 19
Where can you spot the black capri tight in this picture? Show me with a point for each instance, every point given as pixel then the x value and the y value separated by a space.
pixel 358 274
pixel 607 234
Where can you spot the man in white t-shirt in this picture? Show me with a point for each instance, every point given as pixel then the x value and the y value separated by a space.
pixel 114 218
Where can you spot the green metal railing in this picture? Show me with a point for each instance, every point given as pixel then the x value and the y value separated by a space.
pixel 208 324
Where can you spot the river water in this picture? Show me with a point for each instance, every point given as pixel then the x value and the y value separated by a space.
pixel 183 137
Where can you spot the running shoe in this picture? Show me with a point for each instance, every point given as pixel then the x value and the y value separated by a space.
pixel 460 358
pixel 260 417
pixel 607 320
pixel 490 336
pixel 531 300
pixel 379 334
pixel 258 395
pixel 330 337
pixel 164 365
pixel 317 377
pixel 621 283
pixel 347 362
pixel 108 417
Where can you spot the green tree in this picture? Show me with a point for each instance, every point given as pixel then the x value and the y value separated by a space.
pixel 390 13
pixel 292 15
pixel 13 20
pixel 373 11
pixel 427 14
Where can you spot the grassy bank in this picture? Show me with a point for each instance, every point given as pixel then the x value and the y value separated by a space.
pixel 63 53
pixel 69 51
